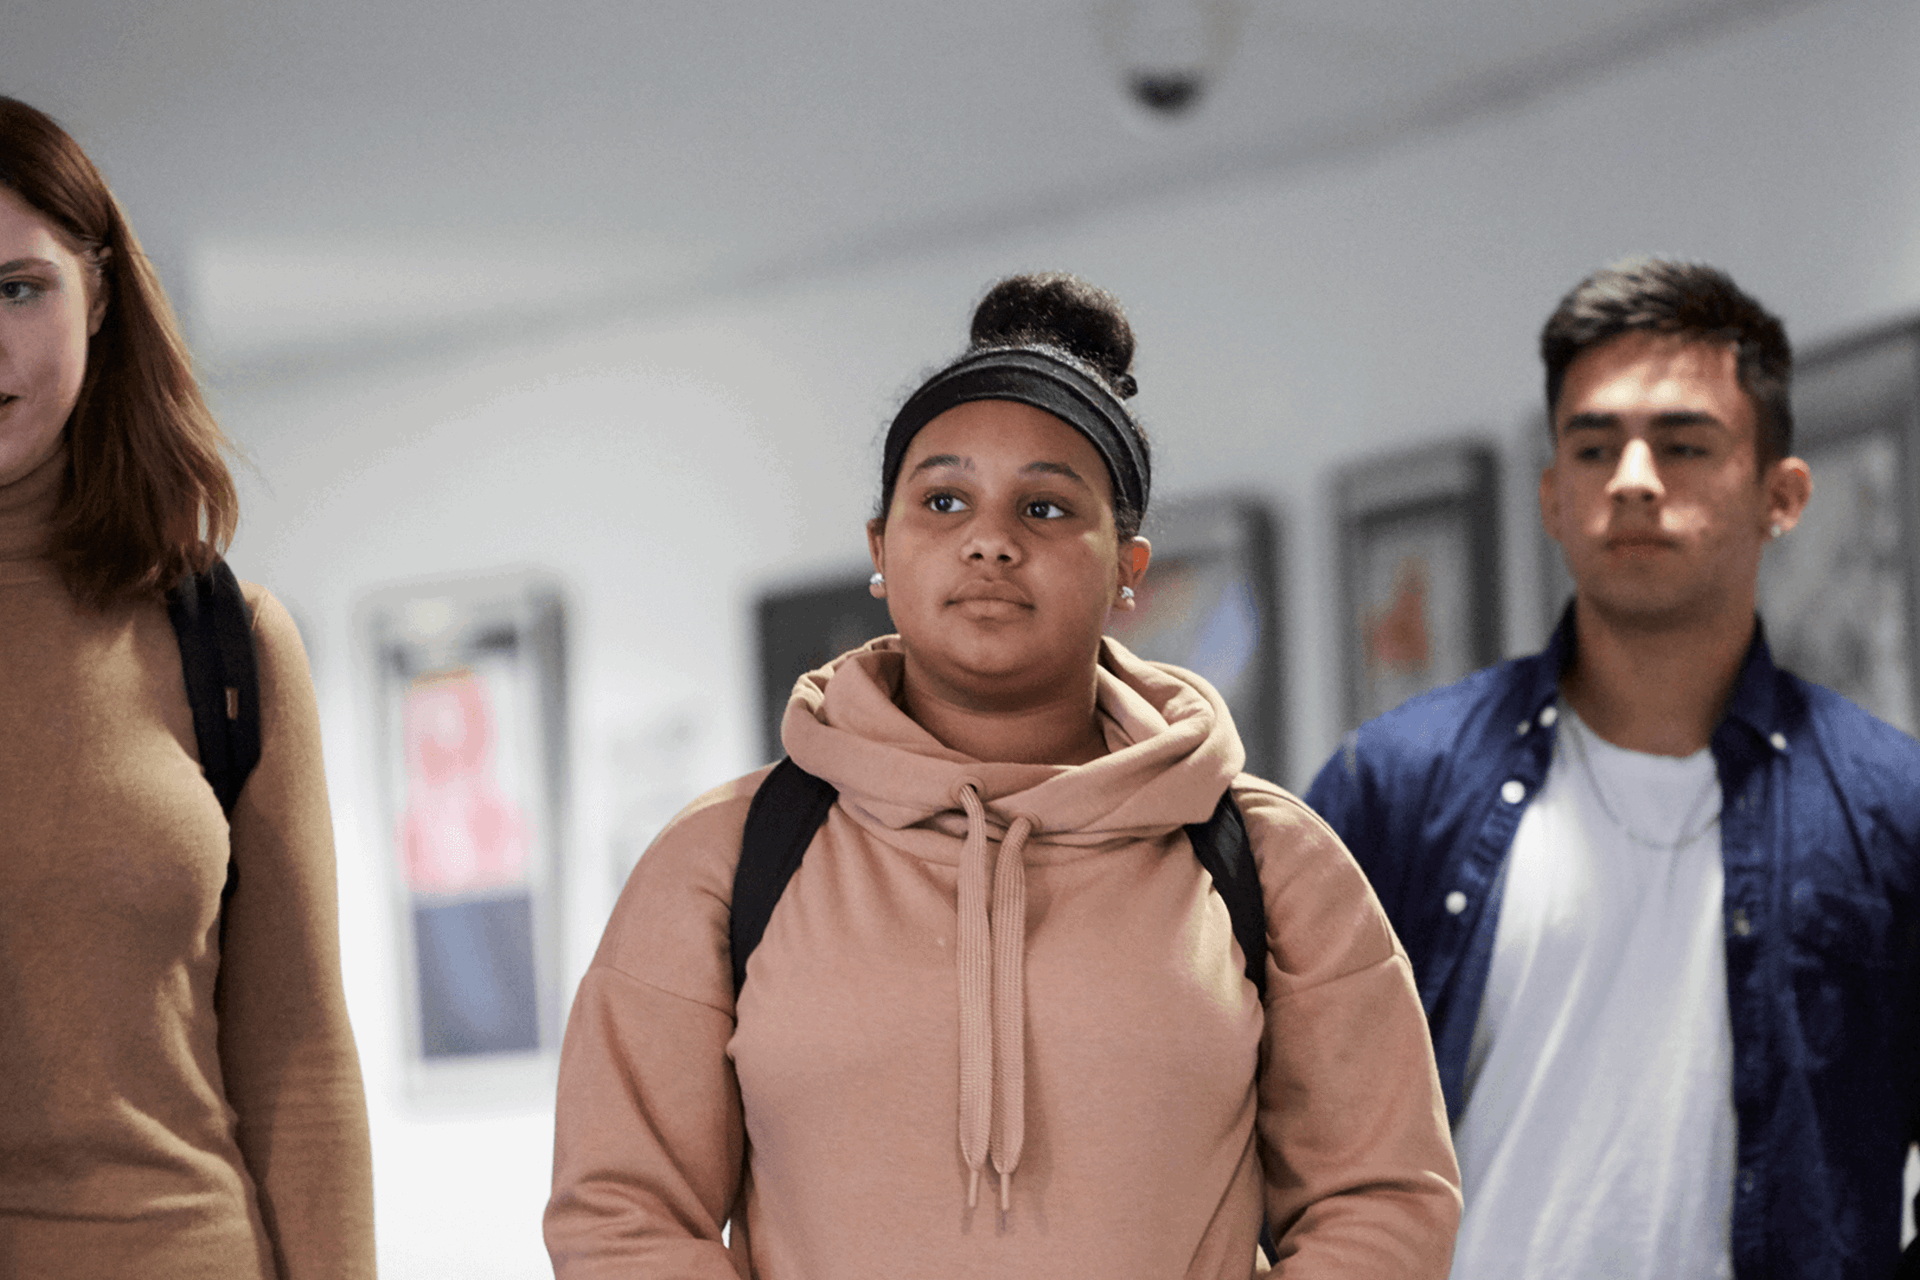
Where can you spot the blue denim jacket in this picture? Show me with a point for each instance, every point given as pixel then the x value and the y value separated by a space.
pixel 1820 836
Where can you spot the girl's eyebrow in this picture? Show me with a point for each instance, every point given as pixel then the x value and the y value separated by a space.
pixel 20 263
pixel 937 460
pixel 1057 469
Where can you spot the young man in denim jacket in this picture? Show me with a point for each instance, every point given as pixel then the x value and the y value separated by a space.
pixel 1662 898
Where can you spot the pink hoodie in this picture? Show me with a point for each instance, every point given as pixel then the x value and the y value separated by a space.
pixel 1010 975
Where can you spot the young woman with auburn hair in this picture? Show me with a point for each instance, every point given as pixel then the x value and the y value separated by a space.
pixel 183 1098
pixel 999 1022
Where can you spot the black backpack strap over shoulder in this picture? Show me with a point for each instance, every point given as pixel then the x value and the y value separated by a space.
pixel 215 630
pixel 787 810
pixel 791 805
pixel 1223 848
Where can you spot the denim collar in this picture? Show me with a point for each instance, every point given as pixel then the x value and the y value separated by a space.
pixel 1755 698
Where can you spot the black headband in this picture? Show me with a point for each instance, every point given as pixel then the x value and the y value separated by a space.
pixel 1027 375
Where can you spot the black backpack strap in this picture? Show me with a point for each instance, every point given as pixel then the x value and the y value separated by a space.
pixel 1222 846
pixel 787 810
pixel 215 631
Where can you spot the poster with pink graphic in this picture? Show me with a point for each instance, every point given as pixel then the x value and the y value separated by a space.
pixel 472 703
pixel 461 831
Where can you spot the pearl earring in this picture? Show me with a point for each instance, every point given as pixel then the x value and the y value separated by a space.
pixel 877 580
pixel 1776 531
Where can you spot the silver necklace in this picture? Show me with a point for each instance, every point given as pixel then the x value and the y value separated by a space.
pixel 1688 832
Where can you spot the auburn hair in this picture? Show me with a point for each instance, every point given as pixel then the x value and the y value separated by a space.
pixel 147 496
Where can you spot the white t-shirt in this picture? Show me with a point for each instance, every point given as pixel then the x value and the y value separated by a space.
pixel 1597 1138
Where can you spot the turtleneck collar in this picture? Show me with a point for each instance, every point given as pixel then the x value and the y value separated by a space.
pixel 26 520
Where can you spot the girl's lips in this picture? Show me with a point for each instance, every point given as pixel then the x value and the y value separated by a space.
pixel 989 609
pixel 985 591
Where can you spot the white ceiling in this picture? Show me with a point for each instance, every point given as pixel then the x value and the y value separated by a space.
pixel 311 170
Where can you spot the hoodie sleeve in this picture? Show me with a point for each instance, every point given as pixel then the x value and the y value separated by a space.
pixel 649 1140
pixel 1359 1166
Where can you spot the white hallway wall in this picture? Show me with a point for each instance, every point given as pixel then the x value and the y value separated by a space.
pixel 669 467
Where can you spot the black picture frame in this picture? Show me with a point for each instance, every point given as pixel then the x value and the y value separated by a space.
pixel 804 626
pixel 1556 580
pixel 1211 603
pixel 1840 594
pixel 1422 593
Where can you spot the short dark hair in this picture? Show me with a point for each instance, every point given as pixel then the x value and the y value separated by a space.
pixel 1690 300
pixel 147 495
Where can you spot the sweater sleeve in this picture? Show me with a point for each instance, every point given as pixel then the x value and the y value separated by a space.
pixel 1359 1166
pixel 649 1138
pixel 286 1049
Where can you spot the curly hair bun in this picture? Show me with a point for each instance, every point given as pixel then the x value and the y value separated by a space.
pixel 1053 309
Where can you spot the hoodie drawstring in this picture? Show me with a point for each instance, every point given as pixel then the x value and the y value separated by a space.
pixel 991 959
pixel 976 975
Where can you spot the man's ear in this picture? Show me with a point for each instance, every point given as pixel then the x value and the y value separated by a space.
pixel 1550 503
pixel 877 549
pixel 1789 486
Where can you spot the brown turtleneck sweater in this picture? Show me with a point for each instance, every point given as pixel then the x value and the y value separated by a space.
pixel 179 1100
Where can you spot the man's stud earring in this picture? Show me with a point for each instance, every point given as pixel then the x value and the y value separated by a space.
pixel 1126 593
pixel 880 579
pixel 1776 531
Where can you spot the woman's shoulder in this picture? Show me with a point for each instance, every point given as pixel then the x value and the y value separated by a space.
pixel 276 636
pixel 288 703
pixel 1281 820
pixel 705 833
pixel 1320 907
pixel 669 925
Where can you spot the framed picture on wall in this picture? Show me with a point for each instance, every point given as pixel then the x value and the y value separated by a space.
pixel 470 691
pixel 806 625
pixel 1209 603
pixel 1419 546
pixel 1838 594
pixel 1556 581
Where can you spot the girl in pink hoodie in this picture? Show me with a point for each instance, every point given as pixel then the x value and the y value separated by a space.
pixel 998 1023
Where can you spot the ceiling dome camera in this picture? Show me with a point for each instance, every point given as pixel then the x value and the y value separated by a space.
pixel 1169 52
pixel 1166 92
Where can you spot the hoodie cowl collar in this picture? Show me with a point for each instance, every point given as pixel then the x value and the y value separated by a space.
pixel 1172 753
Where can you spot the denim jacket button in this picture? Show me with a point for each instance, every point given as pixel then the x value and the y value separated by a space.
pixel 1741 928
pixel 1548 715
pixel 1456 903
pixel 1513 791
pixel 1746 1181
pixel 1779 741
